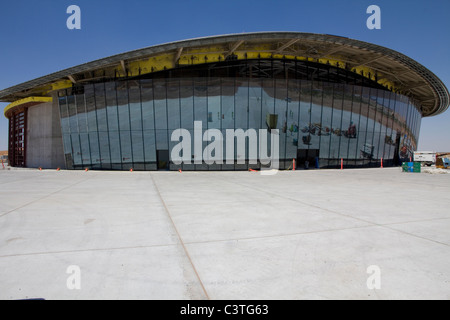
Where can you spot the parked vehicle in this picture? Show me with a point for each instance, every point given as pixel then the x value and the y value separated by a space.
pixel 426 158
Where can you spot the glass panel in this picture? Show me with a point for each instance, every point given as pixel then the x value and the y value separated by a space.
pixel 327 116
pixel 73 120
pixel 65 124
pixel 353 123
pixel 67 143
pixel 304 114
pixel 213 156
pixel 160 103
pixel 292 120
pixel 138 150
pixel 76 151
pixel 131 121
pixel 315 117
pixel 187 104
pixel 214 106
pixel 255 100
pixel 384 124
pixel 95 150
pixel 147 104
pixel 418 125
pixel 127 154
pixel 100 104
pixel 241 104
pixel 81 113
pixel 162 140
pixel 116 156
pixel 226 156
pixel 134 93
pixel 111 103
pixel 365 148
pixel 173 104
pixel 377 98
pixel 113 125
pixel 104 149
pixel 336 124
pixel 389 139
pixel 202 166
pixel 281 102
pixel 269 119
pixel 102 125
pixel 227 103
pixel 85 149
pixel 150 149
pixel 190 166
pixel 200 101
pixel 123 109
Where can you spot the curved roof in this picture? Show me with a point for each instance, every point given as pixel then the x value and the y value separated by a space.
pixel 388 67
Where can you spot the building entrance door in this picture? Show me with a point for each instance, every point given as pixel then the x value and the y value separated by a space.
pixel 162 159
pixel 306 158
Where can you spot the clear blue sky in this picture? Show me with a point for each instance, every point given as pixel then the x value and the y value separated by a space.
pixel 35 40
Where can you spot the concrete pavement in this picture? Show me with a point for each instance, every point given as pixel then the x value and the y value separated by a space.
pixel 224 235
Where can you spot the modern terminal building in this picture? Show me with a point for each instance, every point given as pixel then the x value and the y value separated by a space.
pixel 326 98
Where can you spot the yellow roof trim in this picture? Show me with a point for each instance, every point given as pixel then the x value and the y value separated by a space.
pixel 166 62
pixel 20 102
pixel 63 84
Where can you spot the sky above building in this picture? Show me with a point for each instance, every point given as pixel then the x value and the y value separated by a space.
pixel 36 40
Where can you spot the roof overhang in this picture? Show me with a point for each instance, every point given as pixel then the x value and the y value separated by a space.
pixel 25 103
pixel 388 67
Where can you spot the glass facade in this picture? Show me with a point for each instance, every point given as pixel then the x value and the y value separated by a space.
pixel 323 114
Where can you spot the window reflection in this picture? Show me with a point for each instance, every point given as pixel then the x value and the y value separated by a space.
pixel 124 124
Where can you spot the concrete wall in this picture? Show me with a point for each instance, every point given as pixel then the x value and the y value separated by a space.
pixel 44 140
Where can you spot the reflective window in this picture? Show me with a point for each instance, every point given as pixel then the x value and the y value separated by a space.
pixel 173 104
pixel 124 124
pixel 214 104
pixel 134 93
pixel 281 104
pixel 346 126
pixel 291 140
pixel 148 114
pixel 326 129
pixel 72 108
pixel 81 113
pixel 122 105
pixel 336 123
pixel 64 112
pixel 227 103
pixel 353 130
pixel 200 101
